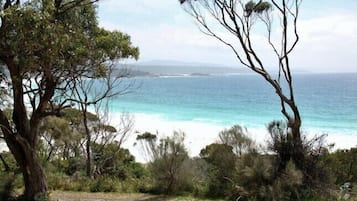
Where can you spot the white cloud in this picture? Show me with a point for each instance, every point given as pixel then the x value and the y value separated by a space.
pixel 328 43
pixel 163 31
pixel 178 43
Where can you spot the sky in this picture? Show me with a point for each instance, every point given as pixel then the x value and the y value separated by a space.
pixel 163 31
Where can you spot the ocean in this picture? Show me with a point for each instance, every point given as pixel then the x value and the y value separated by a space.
pixel 328 102
pixel 202 106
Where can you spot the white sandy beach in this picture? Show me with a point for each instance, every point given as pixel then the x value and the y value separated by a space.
pixel 199 134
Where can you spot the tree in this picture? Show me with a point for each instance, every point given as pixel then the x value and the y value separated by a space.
pixel 221 161
pixel 237 138
pixel 105 83
pixel 110 139
pixel 316 177
pixel 168 157
pixel 148 143
pixel 64 139
pixel 238 19
pixel 112 160
pixel 45 46
pixel 64 135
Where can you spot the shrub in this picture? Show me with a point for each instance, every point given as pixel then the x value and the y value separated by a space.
pixel 316 179
pixel 7 187
pixel 221 165
pixel 168 156
pixel 105 184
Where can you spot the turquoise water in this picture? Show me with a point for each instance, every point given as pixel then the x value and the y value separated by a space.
pixel 328 102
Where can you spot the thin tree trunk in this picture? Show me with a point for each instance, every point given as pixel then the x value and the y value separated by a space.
pixel 89 157
pixel 88 144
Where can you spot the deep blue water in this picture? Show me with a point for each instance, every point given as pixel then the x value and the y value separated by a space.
pixel 328 102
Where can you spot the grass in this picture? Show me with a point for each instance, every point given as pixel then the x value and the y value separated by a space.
pixel 84 196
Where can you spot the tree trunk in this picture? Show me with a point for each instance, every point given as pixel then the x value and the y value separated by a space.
pixel 35 179
pixel 89 157
pixel 298 155
pixel 22 141
pixel 33 174
pixel 88 144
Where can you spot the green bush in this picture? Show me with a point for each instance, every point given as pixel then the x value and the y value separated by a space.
pixel 61 181
pixel 221 162
pixel 166 168
pixel 7 187
pixel 105 184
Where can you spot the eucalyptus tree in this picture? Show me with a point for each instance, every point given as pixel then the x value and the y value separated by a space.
pixel 235 24
pixel 45 45
pixel 95 89
pixel 167 158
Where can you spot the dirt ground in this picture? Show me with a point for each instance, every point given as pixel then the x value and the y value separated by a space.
pixel 81 196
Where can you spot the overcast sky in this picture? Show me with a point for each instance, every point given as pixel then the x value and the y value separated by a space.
pixel 163 31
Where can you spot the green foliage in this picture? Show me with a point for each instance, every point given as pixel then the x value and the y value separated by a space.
pixel 258 8
pixel 229 170
pixel 148 144
pixel 65 40
pixel 114 43
pixel 221 161
pixel 10 180
pixel 105 184
pixel 251 175
pixel 74 116
pixel 105 128
pixel 7 187
pixel 10 162
pixel 47 47
pixel 167 166
pixel 196 176
pixel 110 159
pixel 146 136
pixel 343 164
pixel 288 184
pixel 317 179
pixel 237 138
pixel 61 181
pixel 256 179
pixel 75 164
pixel 42 197
pixel 281 142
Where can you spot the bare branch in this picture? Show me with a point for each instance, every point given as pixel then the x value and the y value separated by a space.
pixel 237 20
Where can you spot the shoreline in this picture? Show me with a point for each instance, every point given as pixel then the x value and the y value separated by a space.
pixel 199 134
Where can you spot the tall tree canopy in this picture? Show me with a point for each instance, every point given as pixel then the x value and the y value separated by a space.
pixel 45 46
